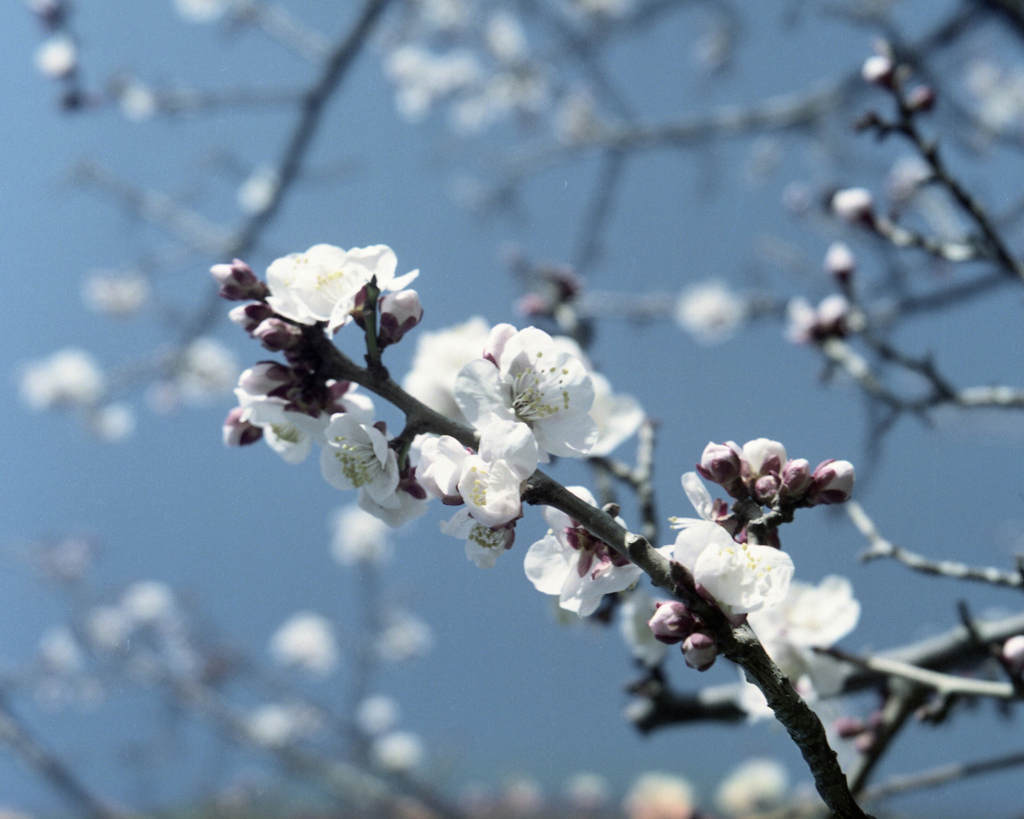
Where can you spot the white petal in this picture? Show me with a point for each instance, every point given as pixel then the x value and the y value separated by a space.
pixel 547 564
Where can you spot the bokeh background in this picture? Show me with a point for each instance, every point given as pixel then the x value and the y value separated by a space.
pixel 509 688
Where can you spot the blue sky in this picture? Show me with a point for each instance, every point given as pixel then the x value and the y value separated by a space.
pixel 507 688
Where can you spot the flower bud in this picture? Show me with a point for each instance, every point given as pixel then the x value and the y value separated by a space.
pixel 832 482
pixel 796 478
pixel 399 313
pixel 719 463
pixel 853 205
pixel 672 622
pixel 249 316
pixel 237 282
pixel 766 489
pixel 265 377
pixel 238 432
pixel 849 727
pixel 922 98
pixel 700 651
pixel 763 456
pixel 839 262
pixel 1013 654
pixel 878 69
pixel 277 334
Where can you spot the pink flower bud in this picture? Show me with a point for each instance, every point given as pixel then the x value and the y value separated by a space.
pixel 839 262
pixel 238 432
pixel 832 482
pixel 766 488
pixel 265 377
pixel 719 463
pixel 249 316
pixel 237 282
pixel 849 727
pixel 399 313
pixel 878 69
pixel 672 622
pixel 277 334
pixel 853 205
pixel 1013 653
pixel 921 98
pixel 796 478
pixel 700 651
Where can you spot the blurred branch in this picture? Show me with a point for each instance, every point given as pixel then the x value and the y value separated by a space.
pixel 880 547
pixel 37 757
pixel 941 775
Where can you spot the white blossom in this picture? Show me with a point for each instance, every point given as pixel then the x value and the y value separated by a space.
pixel 148 602
pixel 115 293
pixel 357 456
pixel 201 11
pixel 398 752
pixel 573 564
pixel 710 312
pixel 437 361
pixel 322 283
pixel 377 715
pixel 755 786
pixel 660 796
pixel 525 377
pixel 359 537
pixel 306 641
pixel 57 57
pixel 635 612
pixel 69 378
pixel 740 576
pixel 207 370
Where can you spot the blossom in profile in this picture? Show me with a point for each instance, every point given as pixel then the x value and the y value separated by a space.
pixel 660 796
pixel 573 564
pixel 322 284
pixel 710 312
pixel 306 641
pixel 525 377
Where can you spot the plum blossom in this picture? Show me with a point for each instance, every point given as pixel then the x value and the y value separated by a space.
pixel 755 786
pixel 618 416
pixel 742 577
pixel 357 537
pixel 69 378
pixel 322 284
pixel 710 312
pixel 357 456
pixel 660 796
pixel 484 544
pixel 523 376
pixel 306 641
pixel 115 293
pixel 634 614
pixel 573 564
pixel 808 617
pixel 439 357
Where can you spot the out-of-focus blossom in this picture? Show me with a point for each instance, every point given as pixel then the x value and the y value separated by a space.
pixel 635 612
pixel 107 628
pixel 573 564
pixel 59 652
pixel 522 796
pixel 117 294
pixel 505 38
pixel 1013 653
pixel 741 577
pixel 878 69
pixel 306 641
pixel 148 602
pixel 757 785
pixel 806 324
pixel 603 8
pixel 398 752
pixel 57 57
pixel 276 725
pixel 438 358
pixel 137 101
pixel 207 370
pixel 68 378
pixel 853 204
pixel 359 538
pixel 111 422
pixel 201 11
pixel 808 617
pixel 525 377
pixel 403 637
pixel 257 192
pixel 377 715
pixel 710 311
pixel 423 78
pixel 322 284
pixel 576 118
pixel 839 261
pixel 445 15
pixel 587 792
pixel 660 796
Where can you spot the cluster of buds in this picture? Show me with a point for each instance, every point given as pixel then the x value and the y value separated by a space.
pixel 761 471
pixel 674 623
pixel 807 324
